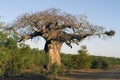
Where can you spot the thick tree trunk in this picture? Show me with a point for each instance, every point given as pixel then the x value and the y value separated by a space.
pixel 53 48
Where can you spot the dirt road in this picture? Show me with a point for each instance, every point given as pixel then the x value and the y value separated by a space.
pixel 94 75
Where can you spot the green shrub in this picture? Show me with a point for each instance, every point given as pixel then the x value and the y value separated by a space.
pixel 55 69
pixel 82 60
pixel 100 64
pixel 66 60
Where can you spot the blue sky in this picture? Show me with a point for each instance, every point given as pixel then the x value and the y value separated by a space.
pixel 101 12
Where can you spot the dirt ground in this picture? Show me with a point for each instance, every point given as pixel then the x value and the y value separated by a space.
pixel 110 74
pixel 99 75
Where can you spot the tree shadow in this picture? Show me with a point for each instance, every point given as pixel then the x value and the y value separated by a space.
pixel 26 77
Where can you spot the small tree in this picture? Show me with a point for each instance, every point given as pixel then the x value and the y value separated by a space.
pixel 82 60
pixel 56 28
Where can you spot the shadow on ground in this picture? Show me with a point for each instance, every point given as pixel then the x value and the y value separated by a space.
pixel 26 77
pixel 113 74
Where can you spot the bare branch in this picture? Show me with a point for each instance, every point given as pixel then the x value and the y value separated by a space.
pixel 52 24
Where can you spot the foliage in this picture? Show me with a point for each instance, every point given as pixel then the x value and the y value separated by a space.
pixel 55 69
pixel 56 27
pixel 15 60
pixel 82 60
pixel 78 61
pixel 66 60
pixel 100 64
pixel 103 62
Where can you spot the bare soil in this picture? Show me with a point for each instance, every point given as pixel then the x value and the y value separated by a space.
pixel 93 74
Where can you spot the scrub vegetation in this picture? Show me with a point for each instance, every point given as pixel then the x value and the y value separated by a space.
pixel 23 60
pixel 20 61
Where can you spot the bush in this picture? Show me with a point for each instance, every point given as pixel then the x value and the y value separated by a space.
pixel 100 64
pixel 14 60
pixel 55 69
pixel 82 60
pixel 66 60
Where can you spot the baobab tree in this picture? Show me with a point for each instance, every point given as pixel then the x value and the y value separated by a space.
pixel 56 28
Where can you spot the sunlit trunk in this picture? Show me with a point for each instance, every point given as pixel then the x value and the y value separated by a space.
pixel 53 49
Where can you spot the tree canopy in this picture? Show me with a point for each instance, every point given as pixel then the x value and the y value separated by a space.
pixel 52 24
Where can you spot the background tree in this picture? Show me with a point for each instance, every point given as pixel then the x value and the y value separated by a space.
pixel 56 28
pixel 81 60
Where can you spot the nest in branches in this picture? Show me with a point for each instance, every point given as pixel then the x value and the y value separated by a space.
pixel 110 33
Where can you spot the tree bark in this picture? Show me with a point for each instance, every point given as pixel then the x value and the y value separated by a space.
pixel 53 48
